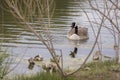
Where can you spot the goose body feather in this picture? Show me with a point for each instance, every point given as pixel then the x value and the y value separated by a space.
pixel 82 34
pixel 74 37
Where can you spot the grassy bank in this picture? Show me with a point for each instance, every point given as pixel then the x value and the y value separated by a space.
pixel 108 70
pixel 42 76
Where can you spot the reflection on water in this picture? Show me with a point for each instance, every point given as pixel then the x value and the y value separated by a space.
pixel 20 41
pixel 74 52
pixel 31 63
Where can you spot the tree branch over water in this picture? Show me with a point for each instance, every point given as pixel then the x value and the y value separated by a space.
pixel 26 10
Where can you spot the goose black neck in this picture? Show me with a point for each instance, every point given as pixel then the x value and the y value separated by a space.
pixel 76 30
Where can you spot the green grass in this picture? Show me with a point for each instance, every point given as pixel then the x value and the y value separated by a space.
pixel 107 70
pixel 43 76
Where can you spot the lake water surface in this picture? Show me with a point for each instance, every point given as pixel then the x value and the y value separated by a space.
pixel 21 43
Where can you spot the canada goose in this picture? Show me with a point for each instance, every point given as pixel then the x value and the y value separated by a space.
pixel 38 58
pixel 46 67
pixel 97 56
pixel 50 67
pixel 77 33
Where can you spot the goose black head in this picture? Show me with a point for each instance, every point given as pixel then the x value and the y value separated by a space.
pixel 73 25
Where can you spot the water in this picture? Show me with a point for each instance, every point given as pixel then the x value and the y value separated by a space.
pixel 20 42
